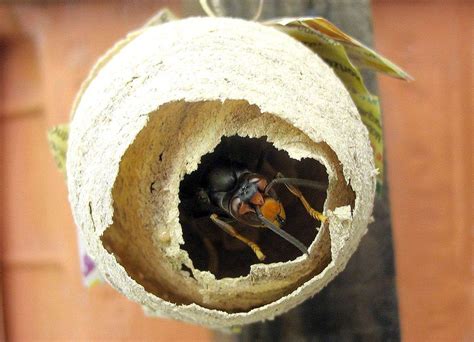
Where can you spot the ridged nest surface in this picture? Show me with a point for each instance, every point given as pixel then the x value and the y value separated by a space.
pixel 166 101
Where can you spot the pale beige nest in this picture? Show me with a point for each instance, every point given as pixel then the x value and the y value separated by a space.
pixel 161 100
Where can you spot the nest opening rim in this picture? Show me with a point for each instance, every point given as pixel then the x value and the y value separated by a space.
pixel 167 291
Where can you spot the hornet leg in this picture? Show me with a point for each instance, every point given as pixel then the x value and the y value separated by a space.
pixel 231 231
pixel 295 191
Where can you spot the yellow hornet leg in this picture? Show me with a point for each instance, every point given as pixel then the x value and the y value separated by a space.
pixel 314 213
pixel 231 231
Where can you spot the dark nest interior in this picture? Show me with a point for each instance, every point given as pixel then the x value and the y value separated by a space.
pixel 212 249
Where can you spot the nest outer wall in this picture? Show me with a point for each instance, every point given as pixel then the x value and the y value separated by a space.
pixel 173 91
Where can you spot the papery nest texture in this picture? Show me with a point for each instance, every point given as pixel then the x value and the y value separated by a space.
pixel 158 107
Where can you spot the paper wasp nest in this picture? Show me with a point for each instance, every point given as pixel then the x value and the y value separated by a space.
pixel 164 98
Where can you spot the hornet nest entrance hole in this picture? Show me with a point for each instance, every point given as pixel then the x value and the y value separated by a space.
pixel 150 238
pixel 212 249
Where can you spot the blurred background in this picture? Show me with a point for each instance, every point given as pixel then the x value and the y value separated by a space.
pixel 47 49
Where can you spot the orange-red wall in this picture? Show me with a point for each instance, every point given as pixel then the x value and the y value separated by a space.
pixel 428 127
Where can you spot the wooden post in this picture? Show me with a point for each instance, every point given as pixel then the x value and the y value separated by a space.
pixel 361 303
